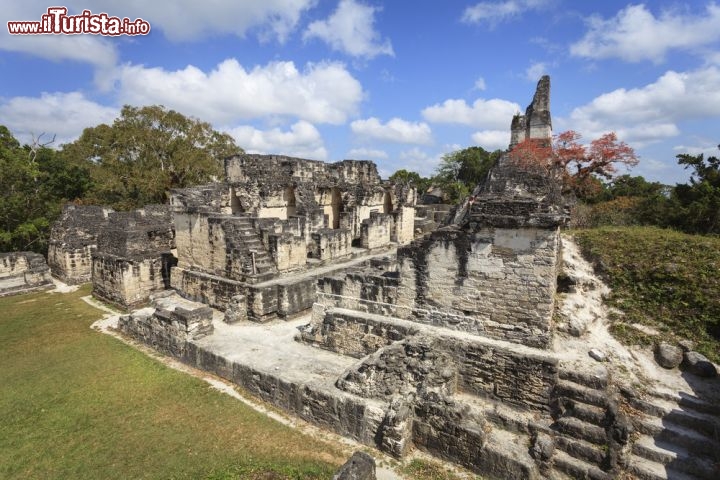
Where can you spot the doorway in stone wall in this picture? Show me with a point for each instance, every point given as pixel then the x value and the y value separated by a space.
pixel 235 207
pixel 335 208
pixel 290 200
pixel 387 203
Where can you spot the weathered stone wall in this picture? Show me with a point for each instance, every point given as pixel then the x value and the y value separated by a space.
pixel 211 290
pixel 375 231
pixel 23 272
pixel 494 282
pixel 168 331
pixel 126 282
pixel 73 239
pixel 403 225
pixel 536 123
pixel 349 333
pixel 331 244
pixel 288 251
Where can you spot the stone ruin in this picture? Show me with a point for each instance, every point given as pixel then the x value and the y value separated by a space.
pixel 251 246
pixel 73 240
pixel 444 342
pixel 23 272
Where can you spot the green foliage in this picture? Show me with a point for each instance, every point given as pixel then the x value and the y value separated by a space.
pixel 405 177
pixel 460 171
pixel 146 152
pixel 660 278
pixel 698 203
pixel 35 182
pixel 80 404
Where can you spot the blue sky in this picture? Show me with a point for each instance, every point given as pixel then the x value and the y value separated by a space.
pixel 400 82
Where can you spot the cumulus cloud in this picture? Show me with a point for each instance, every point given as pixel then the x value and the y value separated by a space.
pixel 652 112
pixel 395 130
pixel 350 29
pixel 301 140
pixel 321 93
pixel 180 20
pixel 65 115
pixel 363 153
pixel 480 84
pixel 535 71
pixel 418 160
pixel 492 139
pixel 94 50
pixel 494 114
pixel 635 34
pixel 496 12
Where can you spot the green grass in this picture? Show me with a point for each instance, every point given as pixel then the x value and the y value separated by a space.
pixel 660 278
pixel 79 404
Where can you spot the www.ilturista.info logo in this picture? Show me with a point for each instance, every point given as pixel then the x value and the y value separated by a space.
pixel 57 21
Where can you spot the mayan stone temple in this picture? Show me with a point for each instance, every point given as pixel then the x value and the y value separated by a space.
pixel 322 290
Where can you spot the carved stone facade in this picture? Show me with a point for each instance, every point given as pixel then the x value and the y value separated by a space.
pixel 134 256
pixel 22 272
pixel 73 239
pixel 262 233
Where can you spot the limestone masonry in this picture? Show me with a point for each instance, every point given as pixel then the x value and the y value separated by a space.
pixel 22 272
pixel 332 295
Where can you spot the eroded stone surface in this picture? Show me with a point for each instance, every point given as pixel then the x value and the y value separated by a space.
pixel 22 272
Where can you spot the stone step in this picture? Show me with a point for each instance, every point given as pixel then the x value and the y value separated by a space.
pixel 597 379
pixel 575 468
pixel 688 402
pixel 705 423
pixel 580 449
pixel 585 412
pixel 678 458
pixel 581 430
pixel 644 469
pixel 580 393
pixel 693 440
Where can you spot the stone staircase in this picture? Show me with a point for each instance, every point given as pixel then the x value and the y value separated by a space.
pixel 678 437
pixel 581 439
pixel 244 243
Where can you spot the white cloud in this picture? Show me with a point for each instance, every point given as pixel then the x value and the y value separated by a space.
pixel 62 114
pixel 653 111
pixel 321 93
pixel 364 153
pixel 535 71
pixel 494 114
pixel 492 139
pixel 97 51
pixel 350 29
pixel 635 34
pixel 706 148
pixel 496 12
pixel 179 20
pixel 302 140
pixel 395 130
pixel 417 160
pixel 480 84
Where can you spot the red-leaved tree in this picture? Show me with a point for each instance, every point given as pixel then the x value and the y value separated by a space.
pixel 579 164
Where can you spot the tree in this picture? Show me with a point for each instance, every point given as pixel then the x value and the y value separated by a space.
pixel 34 184
pixel 580 165
pixel 699 201
pixel 406 177
pixel 461 170
pixel 146 152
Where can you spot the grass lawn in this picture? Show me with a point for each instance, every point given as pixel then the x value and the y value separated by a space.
pixel 78 404
pixel 660 278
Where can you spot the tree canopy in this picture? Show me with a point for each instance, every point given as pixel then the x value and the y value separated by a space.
pixel 146 152
pixel 580 165
pixel 460 171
